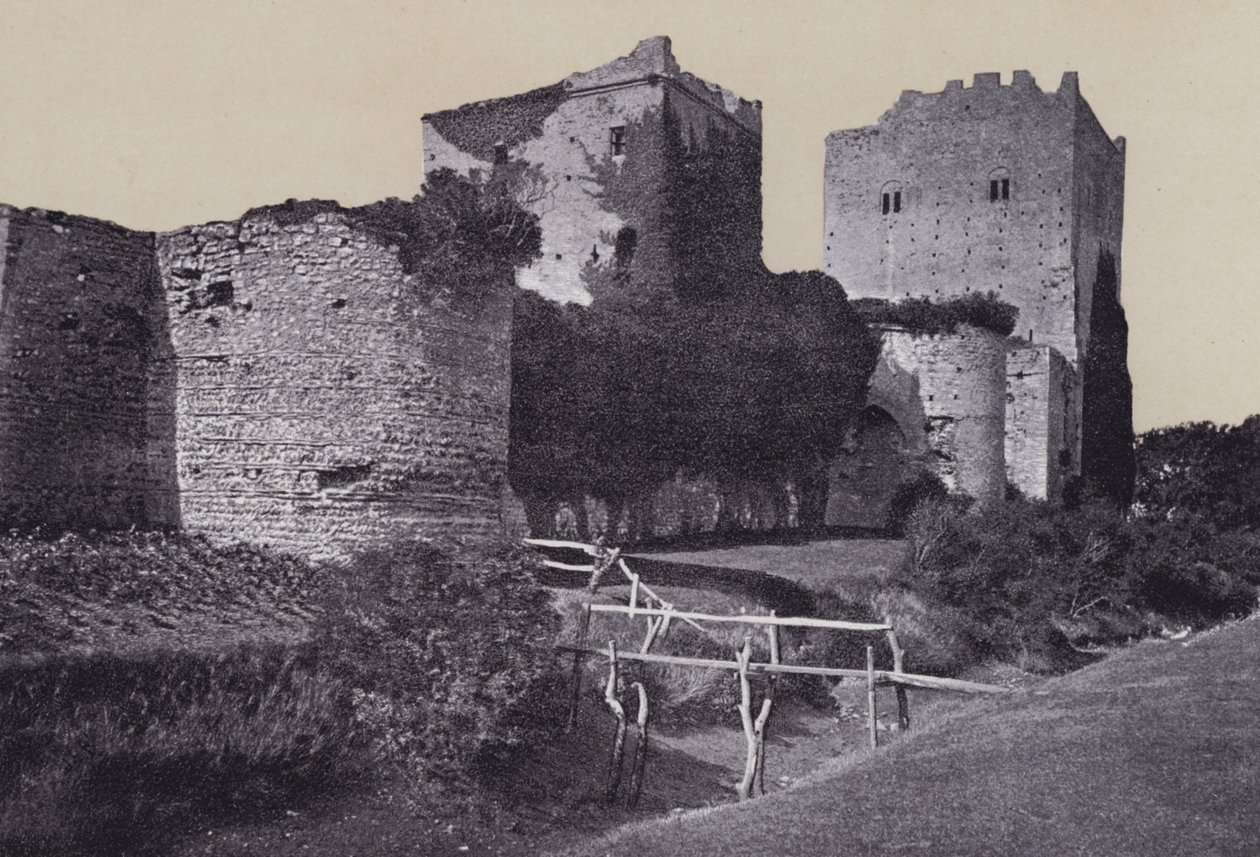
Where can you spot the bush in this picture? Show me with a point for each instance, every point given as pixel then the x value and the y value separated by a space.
pixel 1022 571
pixel 911 494
pixel 449 656
pixel 1184 570
pixel 926 317
pixel 105 752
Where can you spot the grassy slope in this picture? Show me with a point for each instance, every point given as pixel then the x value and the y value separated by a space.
pixel 821 563
pixel 1152 751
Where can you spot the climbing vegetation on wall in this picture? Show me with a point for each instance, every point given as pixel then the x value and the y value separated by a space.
pixel 611 402
pixel 462 234
pixel 927 317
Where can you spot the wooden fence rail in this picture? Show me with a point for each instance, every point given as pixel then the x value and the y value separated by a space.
pixel 659 613
pixel 884 677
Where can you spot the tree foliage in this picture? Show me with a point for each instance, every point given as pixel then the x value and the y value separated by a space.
pixel 462 235
pixel 692 356
pixel 1107 464
pixel 1201 470
pixel 612 402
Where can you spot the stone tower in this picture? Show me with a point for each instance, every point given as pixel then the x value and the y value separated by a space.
pixel 991 188
pixel 635 168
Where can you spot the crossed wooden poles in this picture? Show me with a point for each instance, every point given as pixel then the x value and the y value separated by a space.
pixel 660 613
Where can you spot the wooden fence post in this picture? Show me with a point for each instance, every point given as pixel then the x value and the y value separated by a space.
pixel 640 748
pixel 619 737
pixel 764 717
pixel 575 681
pixel 899 665
pixel 745 717
pixel 871 721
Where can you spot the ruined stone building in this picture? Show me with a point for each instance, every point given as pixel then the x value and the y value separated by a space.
pixel 285 378
pixel 989 188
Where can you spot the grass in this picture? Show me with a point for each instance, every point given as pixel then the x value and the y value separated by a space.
pixel 105 754
pixel 823 564
pixel 1151 751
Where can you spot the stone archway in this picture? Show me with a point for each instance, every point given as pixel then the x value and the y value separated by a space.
pixel 864 476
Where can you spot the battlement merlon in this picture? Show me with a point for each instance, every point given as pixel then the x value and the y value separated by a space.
pixel 986 91
pixel 652 61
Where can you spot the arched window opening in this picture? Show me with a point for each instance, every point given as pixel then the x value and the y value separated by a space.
pixel 999 185
pixel 890 198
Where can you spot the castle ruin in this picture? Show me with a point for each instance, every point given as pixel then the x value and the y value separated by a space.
pixel 283 378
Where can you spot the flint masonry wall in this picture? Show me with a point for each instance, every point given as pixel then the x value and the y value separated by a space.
pixel 324 398
pixel 80 316
pixel 940 151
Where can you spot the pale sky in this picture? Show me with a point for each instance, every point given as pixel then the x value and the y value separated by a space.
pixel 161 114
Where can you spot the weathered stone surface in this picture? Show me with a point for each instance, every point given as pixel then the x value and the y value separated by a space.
pixel 995 188
pixel 324 399
pixel 279 379
pixel 588 188
pixel 78 320
pixel 936 403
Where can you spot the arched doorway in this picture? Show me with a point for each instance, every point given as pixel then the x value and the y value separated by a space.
pixel 864 476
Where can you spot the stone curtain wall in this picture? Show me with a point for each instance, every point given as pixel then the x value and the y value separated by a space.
pixel 325 400
pixel 683 506
pixel 79 316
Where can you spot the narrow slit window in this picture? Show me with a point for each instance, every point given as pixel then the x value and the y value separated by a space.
pixel 885 206
pixel 896 200
pixel 617 140
pixel 1006 188
pixel 993 190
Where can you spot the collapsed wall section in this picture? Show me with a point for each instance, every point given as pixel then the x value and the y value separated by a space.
pixel 80 315
pixel 960 386
pixel 325 398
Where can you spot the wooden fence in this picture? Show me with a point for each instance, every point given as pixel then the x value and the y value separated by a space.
pixel 660 613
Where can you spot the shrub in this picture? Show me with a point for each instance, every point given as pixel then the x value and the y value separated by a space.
pixel 449 655
pixel 106 752
pixel 90 587
pixel 911 494
pixel 927 317
pixel 1184 570
pixel 1021 571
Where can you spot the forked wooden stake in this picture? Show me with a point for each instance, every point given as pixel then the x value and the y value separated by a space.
pixel 753 730
pixel 619 737
pixel 763 718
pixel 640 748
pixel 899 664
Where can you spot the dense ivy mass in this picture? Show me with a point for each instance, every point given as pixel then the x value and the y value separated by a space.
pixel 927 317
pixel 693 356
pixel 758 382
